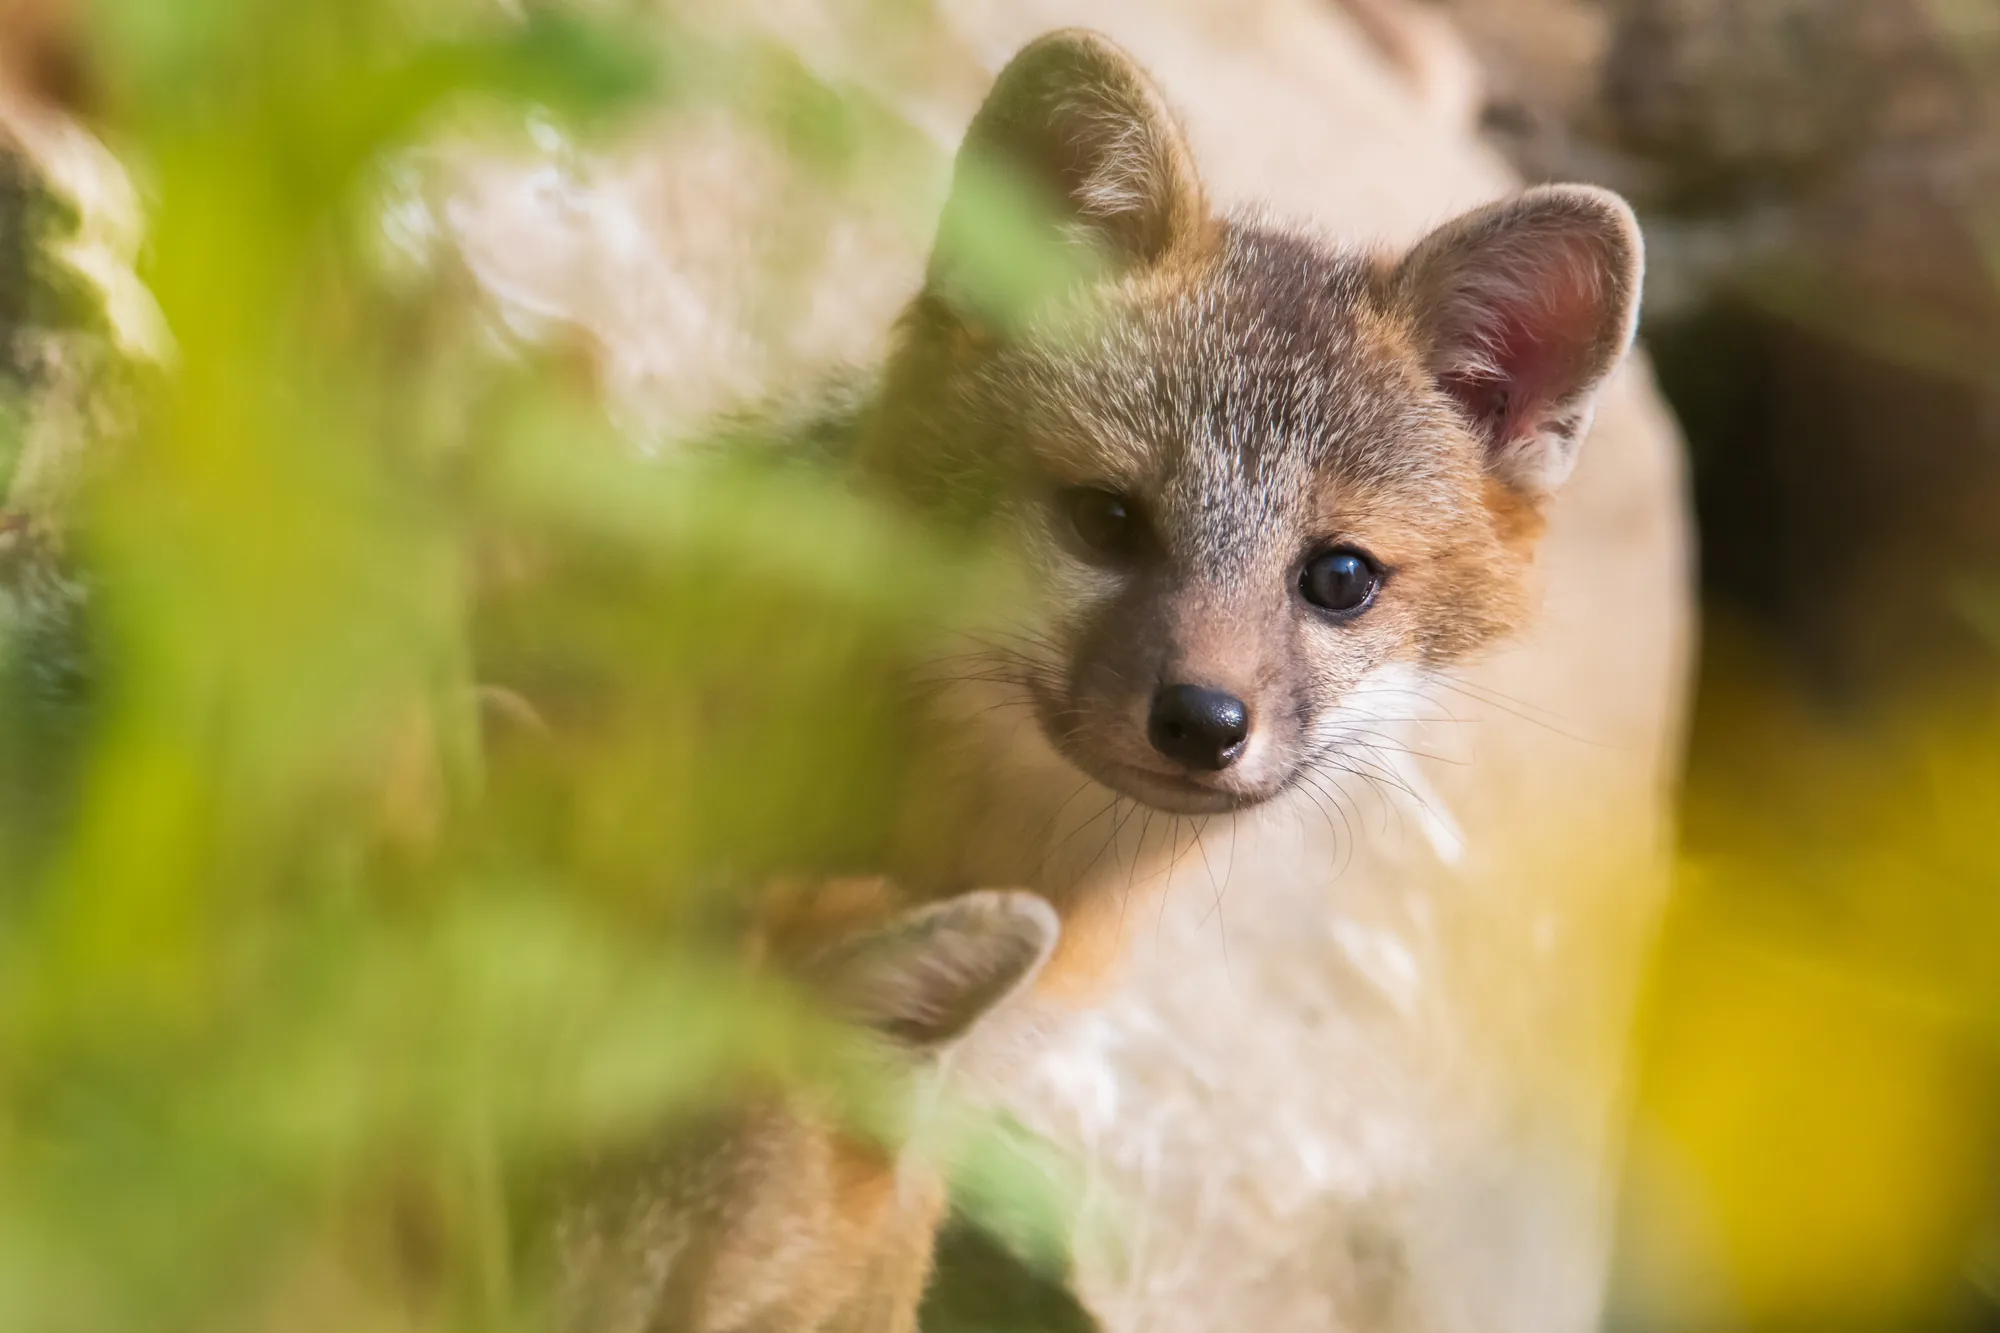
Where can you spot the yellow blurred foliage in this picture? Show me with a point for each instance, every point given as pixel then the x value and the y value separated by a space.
pixel 1815 1143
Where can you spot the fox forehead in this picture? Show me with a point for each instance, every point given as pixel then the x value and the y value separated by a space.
pixel 1259 383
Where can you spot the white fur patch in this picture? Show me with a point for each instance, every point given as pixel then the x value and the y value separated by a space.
pixel 1391 725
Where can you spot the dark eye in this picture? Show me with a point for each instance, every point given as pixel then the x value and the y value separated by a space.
pixel 1104 524
pixel 1341 580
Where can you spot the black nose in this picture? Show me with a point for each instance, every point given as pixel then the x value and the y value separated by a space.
pixel 1198 728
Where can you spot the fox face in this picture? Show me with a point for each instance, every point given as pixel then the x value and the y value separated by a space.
pixel 1256 476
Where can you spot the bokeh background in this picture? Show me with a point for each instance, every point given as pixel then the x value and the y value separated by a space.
pixel 312 948
pixel 1816 1138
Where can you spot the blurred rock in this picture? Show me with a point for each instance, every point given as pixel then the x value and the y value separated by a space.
pixel 1875 123
pixel 1863 139
pixel 1539 60
pixel 1821 185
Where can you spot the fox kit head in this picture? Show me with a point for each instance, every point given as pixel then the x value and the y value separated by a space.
pixel 771 1217
pixel 1250 470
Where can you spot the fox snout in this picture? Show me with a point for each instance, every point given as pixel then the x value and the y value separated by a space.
pixel 1198 728
pixel 1187 731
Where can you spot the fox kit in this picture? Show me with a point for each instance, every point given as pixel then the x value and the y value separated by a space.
pixel 1259 477
pixel 771 1215
pixel 1253 474
pixel 1295 476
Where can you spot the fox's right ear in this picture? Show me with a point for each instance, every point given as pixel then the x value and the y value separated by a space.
pixel 1072 168
pixel 1523 309
pixel 928 976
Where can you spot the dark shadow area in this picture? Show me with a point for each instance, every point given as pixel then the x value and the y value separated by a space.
pixel 981 1286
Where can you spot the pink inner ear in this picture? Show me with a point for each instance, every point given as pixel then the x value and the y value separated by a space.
pixel 1524 345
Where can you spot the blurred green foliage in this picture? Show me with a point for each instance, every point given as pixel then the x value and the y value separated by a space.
pixel 304 964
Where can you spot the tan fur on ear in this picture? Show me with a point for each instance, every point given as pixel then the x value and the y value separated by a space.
pixel 1522 309
pixel 1079 131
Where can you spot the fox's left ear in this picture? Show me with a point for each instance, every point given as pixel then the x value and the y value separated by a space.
pixel 1073 169
pixel 1522 309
